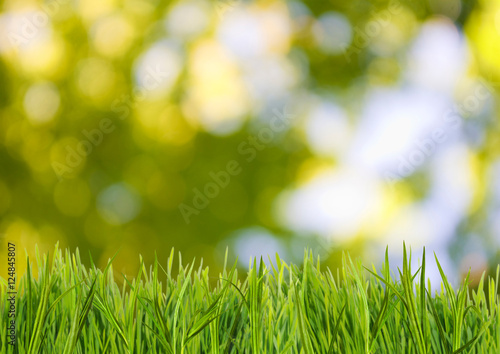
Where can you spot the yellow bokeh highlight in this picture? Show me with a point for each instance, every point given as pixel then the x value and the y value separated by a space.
pixel 27 239
pixel 175 130
pixel 401 27
pixel 44 58
pixel 19 4
pixel 113 35
pixel 24 236
pixel 96 80
pixel 164 123
pixel 216 91
pixel 483 29
pixel 479 189
pixel 310 168
pixel 397 195
pixel 41 102
pixel 141 10
pixel 276 26
pixel 90 10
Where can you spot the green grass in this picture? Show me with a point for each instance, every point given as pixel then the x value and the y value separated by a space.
pixel 282 308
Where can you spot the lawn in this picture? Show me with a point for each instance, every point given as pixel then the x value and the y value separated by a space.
pixel 280 308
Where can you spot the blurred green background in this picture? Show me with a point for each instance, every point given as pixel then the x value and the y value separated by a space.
pixel 263 126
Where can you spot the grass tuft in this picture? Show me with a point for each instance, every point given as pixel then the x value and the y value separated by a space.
pixel 280 308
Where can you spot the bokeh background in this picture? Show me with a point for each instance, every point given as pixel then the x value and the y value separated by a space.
pixel 262 126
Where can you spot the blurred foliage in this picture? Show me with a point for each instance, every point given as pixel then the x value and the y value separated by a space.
pixel 87 62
